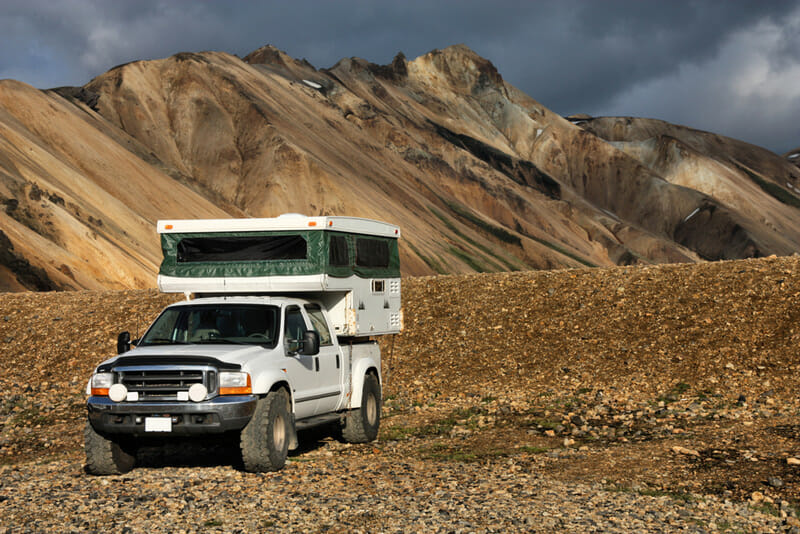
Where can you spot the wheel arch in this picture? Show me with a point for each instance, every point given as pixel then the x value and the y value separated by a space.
pixel 264 382
pixel 283 384
pixel 362 370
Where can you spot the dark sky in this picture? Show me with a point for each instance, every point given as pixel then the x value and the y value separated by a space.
pixel 729 66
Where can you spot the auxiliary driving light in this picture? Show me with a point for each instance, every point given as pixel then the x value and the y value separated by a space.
pixel 118 393
pixel 197 392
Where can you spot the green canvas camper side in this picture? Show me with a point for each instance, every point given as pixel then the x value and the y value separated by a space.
pixel 283 246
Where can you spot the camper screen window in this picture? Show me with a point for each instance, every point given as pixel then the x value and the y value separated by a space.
pixel 256 248
pixel 372 253
pixel 338 251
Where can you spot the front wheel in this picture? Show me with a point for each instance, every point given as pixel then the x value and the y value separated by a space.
pixel 106 456
pixel 265 440
pixel 361 425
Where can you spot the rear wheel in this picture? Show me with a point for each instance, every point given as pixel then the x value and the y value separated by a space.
pixel 106 456
pixel 361 425
pixel 265 440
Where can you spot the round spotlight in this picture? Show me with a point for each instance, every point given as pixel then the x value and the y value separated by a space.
pixel 197 392
pixel 118 393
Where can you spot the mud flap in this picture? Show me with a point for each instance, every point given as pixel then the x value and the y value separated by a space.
pixel 292 435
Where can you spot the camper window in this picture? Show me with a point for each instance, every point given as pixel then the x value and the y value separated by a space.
pixel 372 252
pixel 255 248
pixel 338 251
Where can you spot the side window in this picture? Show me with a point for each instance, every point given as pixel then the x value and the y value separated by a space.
pixel 338 251
pixel 372 252
pixel 319 323
pixel 294 329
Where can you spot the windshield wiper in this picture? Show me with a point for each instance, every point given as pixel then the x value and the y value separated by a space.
pixel 219 341
pixel 162 341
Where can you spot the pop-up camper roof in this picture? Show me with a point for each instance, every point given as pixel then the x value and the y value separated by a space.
pixel 286 253
pixel 352 265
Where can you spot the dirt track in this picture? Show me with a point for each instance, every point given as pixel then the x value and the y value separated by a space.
pixel 665 393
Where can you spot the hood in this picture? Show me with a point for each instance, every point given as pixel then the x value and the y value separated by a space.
pixel 232 357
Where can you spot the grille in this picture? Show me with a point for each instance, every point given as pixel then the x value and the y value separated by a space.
pixel 164 383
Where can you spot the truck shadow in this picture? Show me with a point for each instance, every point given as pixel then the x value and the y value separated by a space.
pixel 212 451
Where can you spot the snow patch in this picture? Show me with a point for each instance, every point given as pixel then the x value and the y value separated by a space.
pixel 691 214
pixel 538 133
pixel 610 214
pixel 315 85
pixel 795 155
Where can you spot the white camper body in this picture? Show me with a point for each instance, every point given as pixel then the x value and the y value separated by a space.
pixel 359 303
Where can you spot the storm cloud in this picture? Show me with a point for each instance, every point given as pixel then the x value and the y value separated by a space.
pixel 731 67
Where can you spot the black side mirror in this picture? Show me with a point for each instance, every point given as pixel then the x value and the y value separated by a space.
pixel 123 342
pixel 310 343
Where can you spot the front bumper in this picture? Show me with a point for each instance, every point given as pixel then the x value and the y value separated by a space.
pixel 215 416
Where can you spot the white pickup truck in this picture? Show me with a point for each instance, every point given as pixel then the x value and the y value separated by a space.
pixel 262 364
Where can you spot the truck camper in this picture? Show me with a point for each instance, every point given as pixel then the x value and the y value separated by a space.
pixel 276 334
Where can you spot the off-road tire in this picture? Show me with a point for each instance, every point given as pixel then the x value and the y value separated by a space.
pixel 106 456
pixel 264 442
pixel 361 425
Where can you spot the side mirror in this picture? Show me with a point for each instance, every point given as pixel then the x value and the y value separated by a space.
pixel 310 343
pixel 123 342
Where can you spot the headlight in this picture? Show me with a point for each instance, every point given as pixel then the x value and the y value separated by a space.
pixel 101 382
pixel 234 383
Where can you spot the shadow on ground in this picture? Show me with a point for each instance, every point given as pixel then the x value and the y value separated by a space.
pixel 218 450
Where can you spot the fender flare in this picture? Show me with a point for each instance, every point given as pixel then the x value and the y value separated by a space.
pixel 266 382
pixel 360 371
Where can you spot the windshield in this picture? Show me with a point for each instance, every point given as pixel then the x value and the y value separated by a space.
pixel 214 323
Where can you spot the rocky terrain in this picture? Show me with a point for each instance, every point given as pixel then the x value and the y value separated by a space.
pixel 631 399
pixel 482 177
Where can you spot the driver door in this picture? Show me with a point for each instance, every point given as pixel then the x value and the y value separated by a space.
pixel 300 368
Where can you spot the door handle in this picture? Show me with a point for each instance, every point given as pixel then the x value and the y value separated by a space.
pixel 316 362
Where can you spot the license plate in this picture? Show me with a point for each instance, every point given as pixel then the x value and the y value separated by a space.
pixel 158 424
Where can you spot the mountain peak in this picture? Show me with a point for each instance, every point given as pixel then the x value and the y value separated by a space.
pixel 460 65
pixel 271 55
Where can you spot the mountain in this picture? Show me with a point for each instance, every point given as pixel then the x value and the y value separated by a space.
pixel 480 176
pixel 793 156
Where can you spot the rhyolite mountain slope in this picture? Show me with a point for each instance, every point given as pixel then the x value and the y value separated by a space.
pixel 793 156
pixel 480 176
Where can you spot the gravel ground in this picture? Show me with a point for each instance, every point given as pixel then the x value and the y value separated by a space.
pixel 647 399
pixel 359 489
